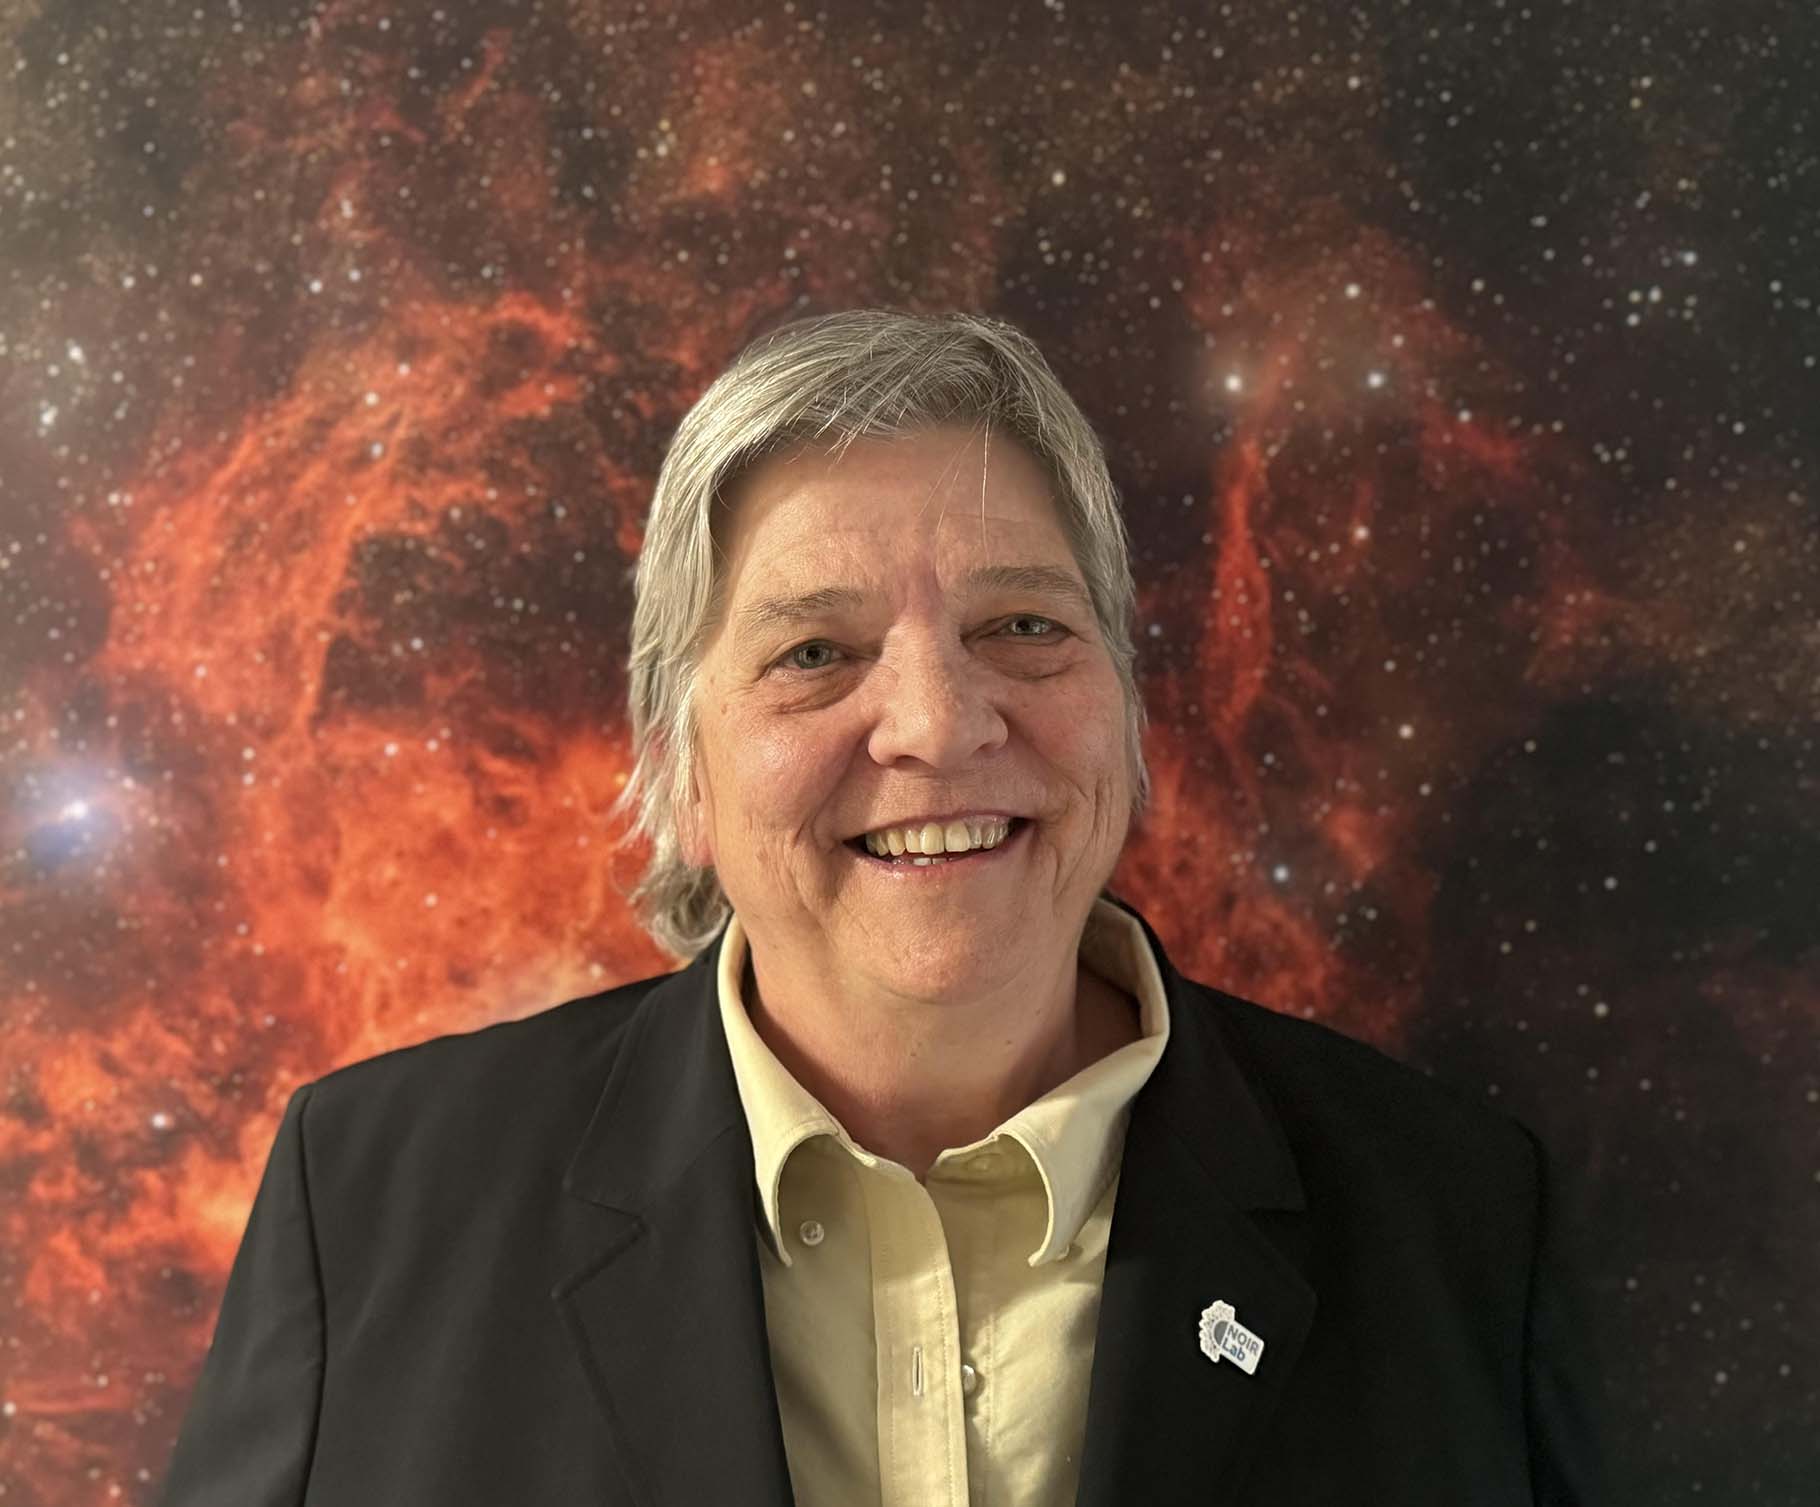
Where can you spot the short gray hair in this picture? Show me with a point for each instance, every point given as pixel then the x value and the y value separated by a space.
pixel 874 373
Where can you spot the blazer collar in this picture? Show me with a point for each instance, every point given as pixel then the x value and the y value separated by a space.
pixel 668 1305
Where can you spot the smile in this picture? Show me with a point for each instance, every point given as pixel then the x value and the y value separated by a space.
pixel 915 866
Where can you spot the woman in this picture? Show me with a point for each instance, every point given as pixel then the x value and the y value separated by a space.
pixel 928 1179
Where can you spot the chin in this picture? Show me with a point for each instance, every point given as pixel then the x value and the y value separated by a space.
pixel 934 960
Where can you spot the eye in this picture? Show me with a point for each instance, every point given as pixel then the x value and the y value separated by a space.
pixel 1051 632
pixel 1031 617
pixel 800 649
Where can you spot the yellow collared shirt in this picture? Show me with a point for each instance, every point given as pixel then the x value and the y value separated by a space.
pixel 932 1343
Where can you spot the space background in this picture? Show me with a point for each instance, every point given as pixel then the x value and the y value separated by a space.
pixel 1456 360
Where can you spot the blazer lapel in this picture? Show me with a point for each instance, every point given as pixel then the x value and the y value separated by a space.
pixel 667 1311
pixel 1203 1151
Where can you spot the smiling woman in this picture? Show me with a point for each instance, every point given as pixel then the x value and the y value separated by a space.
pixel 940 700
pixel 812 390
pixel 845 1185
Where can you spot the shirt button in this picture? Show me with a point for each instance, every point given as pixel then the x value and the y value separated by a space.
pixel 969 1379
pixel 986 1162
pixel 811 1231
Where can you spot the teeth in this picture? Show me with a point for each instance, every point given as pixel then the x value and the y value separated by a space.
pixel 935 838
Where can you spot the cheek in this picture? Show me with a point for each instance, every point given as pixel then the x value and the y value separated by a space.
pixel 1083 732
pixel 782 770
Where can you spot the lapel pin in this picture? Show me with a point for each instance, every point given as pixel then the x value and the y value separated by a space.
pixel 1223 1335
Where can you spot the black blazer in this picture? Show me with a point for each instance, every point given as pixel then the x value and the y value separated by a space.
pixel 518 1268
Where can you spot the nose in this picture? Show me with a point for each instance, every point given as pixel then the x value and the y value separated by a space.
pixel 938 707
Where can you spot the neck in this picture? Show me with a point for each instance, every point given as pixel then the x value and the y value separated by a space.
pixel 908 1079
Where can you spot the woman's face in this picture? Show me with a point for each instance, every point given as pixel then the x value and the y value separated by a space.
pixel 923 696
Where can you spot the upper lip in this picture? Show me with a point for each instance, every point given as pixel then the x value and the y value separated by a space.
pixel 940 821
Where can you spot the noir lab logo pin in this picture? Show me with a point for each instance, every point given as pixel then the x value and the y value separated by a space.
pixel 1223 1335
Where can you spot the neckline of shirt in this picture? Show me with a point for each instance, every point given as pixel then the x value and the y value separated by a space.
pixel 1074 1134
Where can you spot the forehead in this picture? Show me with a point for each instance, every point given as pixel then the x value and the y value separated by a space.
pixel 948 488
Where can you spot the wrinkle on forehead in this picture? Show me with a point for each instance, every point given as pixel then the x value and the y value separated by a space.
pixel 818 535
pixel 965 444
pixel 1038 579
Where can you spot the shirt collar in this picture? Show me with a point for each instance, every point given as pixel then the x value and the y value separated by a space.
pixel 1074 1133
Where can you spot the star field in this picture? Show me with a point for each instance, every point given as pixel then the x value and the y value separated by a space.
pixel 1457 367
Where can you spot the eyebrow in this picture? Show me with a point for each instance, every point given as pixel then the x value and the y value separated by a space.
pixel 1039 580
